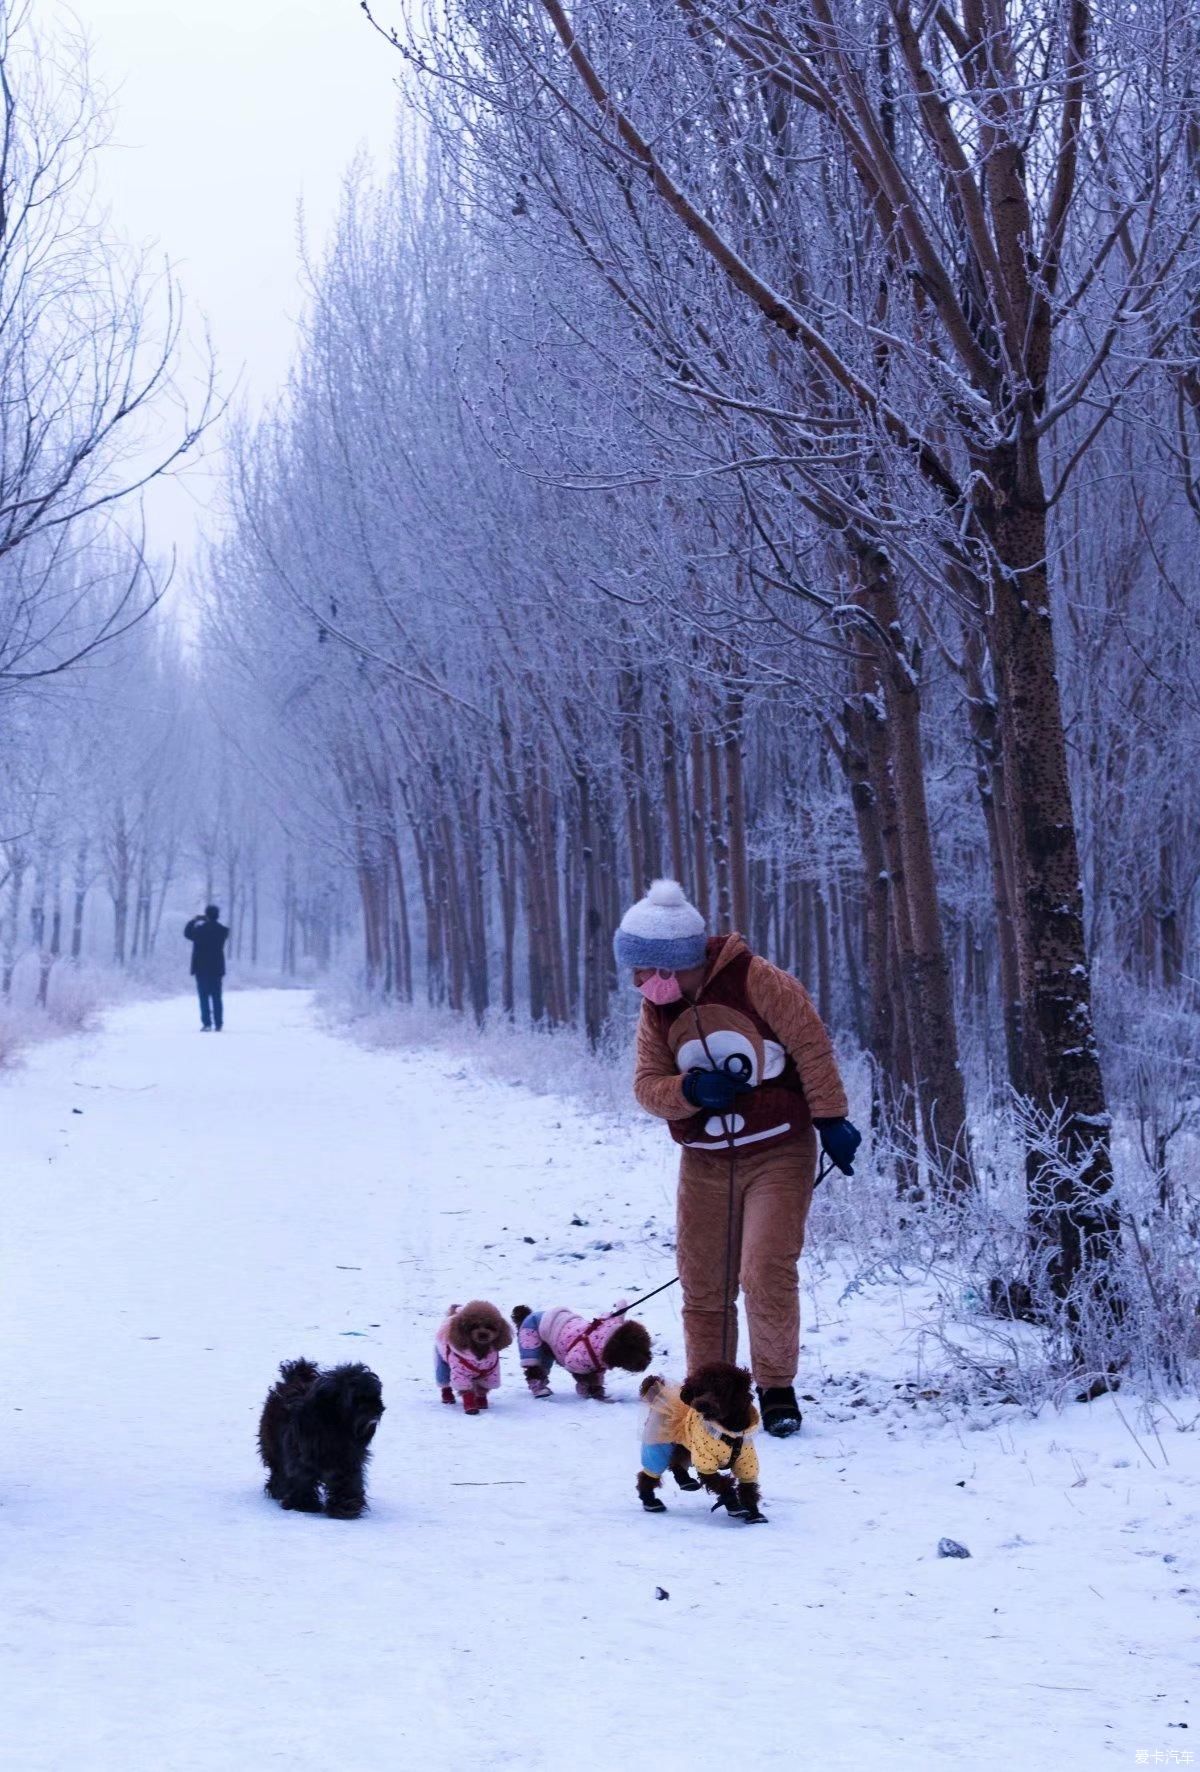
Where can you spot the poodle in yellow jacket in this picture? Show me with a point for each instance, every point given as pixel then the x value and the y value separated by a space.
pixel 706 1423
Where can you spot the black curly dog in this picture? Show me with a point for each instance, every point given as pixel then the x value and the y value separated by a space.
pixel 315 1434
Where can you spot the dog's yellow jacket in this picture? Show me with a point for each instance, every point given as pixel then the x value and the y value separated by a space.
pixel 672 1419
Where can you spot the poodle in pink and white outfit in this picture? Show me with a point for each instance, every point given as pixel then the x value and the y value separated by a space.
pixel 586 1347
pixel 467 1353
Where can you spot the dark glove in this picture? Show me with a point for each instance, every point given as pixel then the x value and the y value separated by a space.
pixel 839 1141
pixel 713 1090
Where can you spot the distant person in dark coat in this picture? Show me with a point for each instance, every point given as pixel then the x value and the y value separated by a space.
pixel 208 937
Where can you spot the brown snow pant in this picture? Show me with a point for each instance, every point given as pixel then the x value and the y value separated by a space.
pixel 772 1192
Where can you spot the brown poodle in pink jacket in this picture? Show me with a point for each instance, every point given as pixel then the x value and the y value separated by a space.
pixel 467 1353
pixel 587 1349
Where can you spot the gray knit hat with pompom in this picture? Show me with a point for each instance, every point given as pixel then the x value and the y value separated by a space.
pixel 661 931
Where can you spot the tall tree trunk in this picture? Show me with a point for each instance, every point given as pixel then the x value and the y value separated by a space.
pixel 573 892
pixel 993 799
pixel 820 923
pixel 632 765
pixel 535 936
pixel 372 934
pixel 506 867
pixel 12 921
pixel 119 888
pixel 718 840
pixel 932 1028
pixel 37 906
pixel 1170 944
pixel 289 916
pixel 164 885
pixel 673 793
pixel 610 899
pixel 474 893
pixel 881 1033
pixel 735 808
pixel 404 981
pixel 595 995
pixel 548 850
pixel 800 918
pixel 1072 1209
pixel 760 905
pixel 699 821
pixel 435 979
pixel 56 922
pixel 847 924
pixel 79 897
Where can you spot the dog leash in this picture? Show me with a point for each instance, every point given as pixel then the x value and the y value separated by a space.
pixel 634 1304
pixel 637 1302
pixel 826 1164
pixel 744 1070
pixel 823 1170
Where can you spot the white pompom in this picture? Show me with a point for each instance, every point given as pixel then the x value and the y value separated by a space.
pixel 666 892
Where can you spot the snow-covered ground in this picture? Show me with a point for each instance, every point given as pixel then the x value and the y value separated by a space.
pixel 179 1213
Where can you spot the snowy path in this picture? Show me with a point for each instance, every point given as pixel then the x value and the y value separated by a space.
pixel 218 1204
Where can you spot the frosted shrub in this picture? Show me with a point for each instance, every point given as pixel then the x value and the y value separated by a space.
pixel 13 1035
pixel 548 1061
pixel 995 1314
pixel 75 997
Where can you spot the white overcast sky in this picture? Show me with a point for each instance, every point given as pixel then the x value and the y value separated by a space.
pixel 228 114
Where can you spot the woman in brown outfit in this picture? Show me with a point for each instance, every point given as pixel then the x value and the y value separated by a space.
pixel 733 1056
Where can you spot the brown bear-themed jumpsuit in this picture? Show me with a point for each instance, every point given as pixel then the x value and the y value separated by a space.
pixel 748 1017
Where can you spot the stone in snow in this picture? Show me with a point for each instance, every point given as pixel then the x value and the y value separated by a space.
pixel 950 1547
pixel 660 1593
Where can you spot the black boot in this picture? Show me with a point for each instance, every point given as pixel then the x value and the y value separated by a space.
pixel 647 1488
pixel 725 1490
pixel 780 1411
pixel 747 1505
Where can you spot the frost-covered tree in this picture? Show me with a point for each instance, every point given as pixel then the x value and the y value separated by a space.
pixel 90 408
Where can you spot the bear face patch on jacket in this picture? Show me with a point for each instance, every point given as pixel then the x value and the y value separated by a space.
pixel 723 1031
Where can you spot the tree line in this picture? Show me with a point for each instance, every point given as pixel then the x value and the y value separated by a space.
pixel 761 447
pixel 116 789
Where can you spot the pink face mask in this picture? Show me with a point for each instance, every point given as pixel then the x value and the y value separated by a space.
pixel 662 990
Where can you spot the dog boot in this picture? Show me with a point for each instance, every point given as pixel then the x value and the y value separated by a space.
pixel 539 1384
pixel 647 1488
pixel 747 1505
pixel 470 1402
pixel 780 1411
pixel 481 1397
pixel 725 1491
pixel 591 1384
pixel 448 1395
